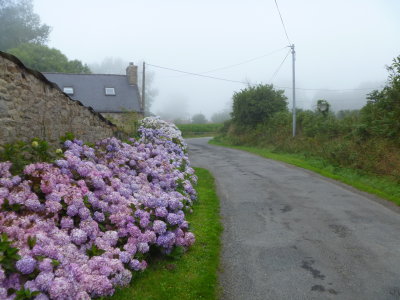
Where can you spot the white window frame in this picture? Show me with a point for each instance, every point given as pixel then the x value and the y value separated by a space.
pixel 109 91
pixel 69 90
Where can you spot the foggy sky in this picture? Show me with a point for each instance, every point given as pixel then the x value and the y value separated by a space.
pixel 340 44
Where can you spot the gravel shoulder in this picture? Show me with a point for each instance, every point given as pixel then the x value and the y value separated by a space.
pixel 291 234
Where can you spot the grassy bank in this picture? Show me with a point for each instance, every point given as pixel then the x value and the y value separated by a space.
pixel 199 130
pixel 194 274
pixel 378 185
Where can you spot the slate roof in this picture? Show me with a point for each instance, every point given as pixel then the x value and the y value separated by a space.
pixel 90 90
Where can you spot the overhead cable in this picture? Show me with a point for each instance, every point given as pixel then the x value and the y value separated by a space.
pixel 277 70
pixel 246 83
pixel 197 74
pixel 240 63
pixel 244 62
pixel 283 24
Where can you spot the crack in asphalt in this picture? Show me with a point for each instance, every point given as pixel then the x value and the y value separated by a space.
pixel 307 265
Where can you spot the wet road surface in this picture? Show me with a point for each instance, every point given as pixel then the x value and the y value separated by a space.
pixel 292 234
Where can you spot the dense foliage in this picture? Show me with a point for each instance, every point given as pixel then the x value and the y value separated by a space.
pixel 78 227
pixel 257 104
pixel 19 24
pixel 367 140
pixel 22 35
pixel 22 153
pixel 220 117
pixel 45 59
pixel 381 116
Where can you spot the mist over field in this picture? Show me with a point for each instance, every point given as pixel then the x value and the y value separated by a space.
pixel 340 45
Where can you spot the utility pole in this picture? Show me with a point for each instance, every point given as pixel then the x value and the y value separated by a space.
pixel 294 89
pixel 144 88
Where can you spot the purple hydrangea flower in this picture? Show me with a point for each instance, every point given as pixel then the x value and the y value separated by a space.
pixel 72 210
pixel 66 223
pixel 174 219
pixel 60 289
pixel 99 216
pixel 44 280
pixel 41 296
pixel 46 265
pixel 78 236
pixel 26 265
pixel 166 240
pixel 84 213
pixel 143 247
pixel 34 204
pixel 125 257
pixel 161 212
pixel 159 226
pixel 135 265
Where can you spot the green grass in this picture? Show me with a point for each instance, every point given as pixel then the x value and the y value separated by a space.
pixel 194 274
pixel 199 130
pixel 380 186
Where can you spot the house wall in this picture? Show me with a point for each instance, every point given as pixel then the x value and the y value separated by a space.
pixel 31 106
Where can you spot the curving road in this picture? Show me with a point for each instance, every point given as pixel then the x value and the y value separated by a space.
pixel 292 234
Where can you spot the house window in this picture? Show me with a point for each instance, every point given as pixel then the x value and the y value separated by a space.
pixel 110 91
pixel 69 90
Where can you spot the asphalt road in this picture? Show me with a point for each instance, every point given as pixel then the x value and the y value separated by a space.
pixel 292 234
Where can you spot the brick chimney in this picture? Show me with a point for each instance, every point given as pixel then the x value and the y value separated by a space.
pixel 131 73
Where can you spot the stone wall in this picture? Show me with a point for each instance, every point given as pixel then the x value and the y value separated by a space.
pixel 127 121
pixel 31 106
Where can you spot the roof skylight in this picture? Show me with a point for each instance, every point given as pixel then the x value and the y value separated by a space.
pixel 110 91
pixel 69 90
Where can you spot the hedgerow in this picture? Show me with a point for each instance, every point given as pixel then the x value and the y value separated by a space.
pixel 367 140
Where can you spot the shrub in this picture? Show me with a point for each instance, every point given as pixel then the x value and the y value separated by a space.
pixel 21 154
pixel 257 104
pixel 367 140
pixel 83 223
pixel 381 116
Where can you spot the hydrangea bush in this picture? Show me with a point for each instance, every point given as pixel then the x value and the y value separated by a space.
pixel 77 228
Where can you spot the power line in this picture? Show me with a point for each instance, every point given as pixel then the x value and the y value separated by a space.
pixel 197 74
pixel 244 62
pixel 240 63
pixel 277 70
pixel 283 24
pixel 328 90
pixel 243 82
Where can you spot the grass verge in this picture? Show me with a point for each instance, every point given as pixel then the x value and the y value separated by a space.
pixel 192 275
pixel 380 186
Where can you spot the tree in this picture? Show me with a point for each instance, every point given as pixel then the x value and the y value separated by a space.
pixel 323 107
pixel 19 24
pixel 45 59
pixel 199 119
pixel 257 104
pixel 381 116
pixel 220 117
